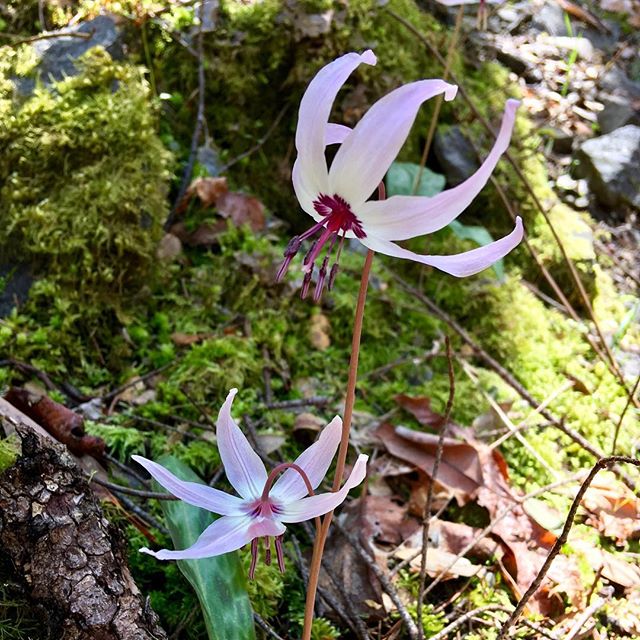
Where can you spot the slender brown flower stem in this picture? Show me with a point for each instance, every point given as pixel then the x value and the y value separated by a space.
pixel 321 538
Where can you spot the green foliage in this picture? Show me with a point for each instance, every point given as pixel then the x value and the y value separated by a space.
pixel 9 451
pixel 84 180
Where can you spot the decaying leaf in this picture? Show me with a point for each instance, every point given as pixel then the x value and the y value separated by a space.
pixel 471 470
pixel 241 209
pixel 614 508
pixel 420 408
pixel 63 424
pixel 208 190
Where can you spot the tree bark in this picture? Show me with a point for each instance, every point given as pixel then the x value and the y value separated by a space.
pixel 70 559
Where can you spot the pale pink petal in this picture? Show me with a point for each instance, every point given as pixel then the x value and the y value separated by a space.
pixel 368 151
pixel 224 535
pixel 402 217
pixel 242 465
pixel 314 461
pixel 336 133
pixel 199 495
pixel 461 264
pixel 310 170
pixel 313 506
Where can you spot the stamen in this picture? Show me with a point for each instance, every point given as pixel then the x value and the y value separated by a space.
pixel 322 274
pixel 306 283
pixel 293 247
pixel 279 553
pixel 332 276
pixel 284 267
pixel 307 258
pixel 254 558
pixel 267 550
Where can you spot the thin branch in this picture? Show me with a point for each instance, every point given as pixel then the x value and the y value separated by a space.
pixel 316 401
pixel 197 130
pixel 385 583
pixel 134 381
pixel 562 538
pixel 47 36
pixel 622 415
pixel 118 488
pixel 266 627
pixel 465 618
pixel 426 514
pixel 496 366
pixel 258 145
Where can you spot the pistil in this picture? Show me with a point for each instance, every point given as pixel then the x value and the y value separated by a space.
pixel 338 220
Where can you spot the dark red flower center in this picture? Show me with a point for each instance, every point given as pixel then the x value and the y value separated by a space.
pixel 338 220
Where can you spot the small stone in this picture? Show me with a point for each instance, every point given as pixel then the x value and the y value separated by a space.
pixel 455 155
pixel 550 19
pixel 169 248
pixel 566 182
pixel 610 164
pixel 617 112
pixel 581 203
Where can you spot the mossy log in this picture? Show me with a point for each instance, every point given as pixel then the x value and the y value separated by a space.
pixel 70 559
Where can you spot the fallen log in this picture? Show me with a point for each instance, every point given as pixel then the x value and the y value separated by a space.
pixel 69 559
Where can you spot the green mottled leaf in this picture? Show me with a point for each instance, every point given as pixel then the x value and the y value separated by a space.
pixel 219 582
pixel 480 236
pixel 402 177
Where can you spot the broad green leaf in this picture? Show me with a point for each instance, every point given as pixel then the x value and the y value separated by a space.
pixel 219 582
pixel 402 177
pixel 480 236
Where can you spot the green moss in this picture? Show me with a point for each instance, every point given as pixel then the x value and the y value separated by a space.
pixel 84 180
pixel 9 451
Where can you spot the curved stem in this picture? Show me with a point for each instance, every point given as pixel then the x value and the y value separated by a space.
pixel 321 538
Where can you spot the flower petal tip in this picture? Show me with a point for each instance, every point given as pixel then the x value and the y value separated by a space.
pixel 147 551
pixel 368 57
pixel 450 91
pixel 512 105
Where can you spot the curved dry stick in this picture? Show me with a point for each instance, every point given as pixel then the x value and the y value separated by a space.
pixel 562 538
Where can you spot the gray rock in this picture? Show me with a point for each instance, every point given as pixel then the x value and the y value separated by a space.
pixel 57 56
pixel 550 19
pixel 610 164
pixel 455 155
pixel 15 282
pixel 618 111
pixel 615 81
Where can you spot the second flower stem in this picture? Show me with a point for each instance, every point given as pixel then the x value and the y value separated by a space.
pixel 321 537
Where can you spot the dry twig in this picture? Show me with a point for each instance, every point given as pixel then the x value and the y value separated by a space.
pixel 562 538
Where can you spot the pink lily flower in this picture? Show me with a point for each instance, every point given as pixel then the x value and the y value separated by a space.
pixel 266 504
pixel 338 198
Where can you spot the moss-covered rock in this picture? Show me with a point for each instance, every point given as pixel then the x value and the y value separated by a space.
pixel 83 180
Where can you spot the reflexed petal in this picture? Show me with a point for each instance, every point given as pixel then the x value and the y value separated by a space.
pixel 336 133
pixel 366 154
pixel 402 217
pixel 310 176
pixel 461 264
pixel 224 535
pixel 313 506
pixel 314 461
pixel 199 495
pixel 242 465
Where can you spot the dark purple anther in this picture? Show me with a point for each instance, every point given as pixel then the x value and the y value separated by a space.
pixel 306 283
pixel 322 275
pixel 293 247
pixel 267 550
